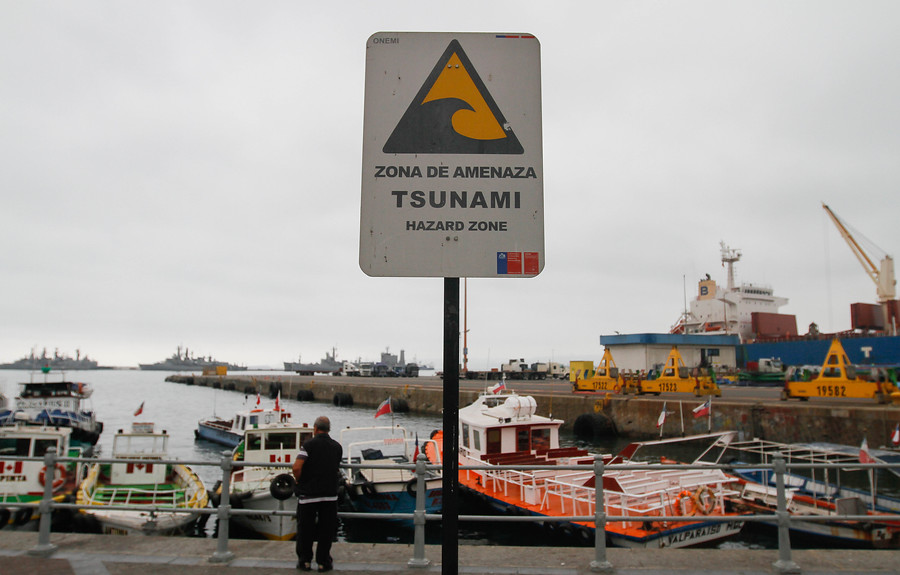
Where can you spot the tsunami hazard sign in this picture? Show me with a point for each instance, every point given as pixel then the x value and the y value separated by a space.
pixel 452 174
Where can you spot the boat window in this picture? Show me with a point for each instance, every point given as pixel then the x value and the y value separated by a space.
pixel 523 442
pixel 493 441
pixel 281 440
pixel 15 446
pixel 254 420
pixel 540 439
pixel 476 440
pixel 465 434
pixel 42 445
pixel 238 422
pixel 253 441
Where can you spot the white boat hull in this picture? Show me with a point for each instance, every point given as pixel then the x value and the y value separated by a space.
pixel 143 522
pixel 272 527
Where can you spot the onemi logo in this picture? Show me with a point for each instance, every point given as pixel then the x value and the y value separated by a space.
pixel 453 113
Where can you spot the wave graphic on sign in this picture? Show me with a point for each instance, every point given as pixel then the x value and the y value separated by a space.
pixel 453 113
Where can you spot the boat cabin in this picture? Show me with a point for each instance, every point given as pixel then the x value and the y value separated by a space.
pixel 273 444
pixel 504 424
pixel 257 418
pixel 22 477
pixel 141 443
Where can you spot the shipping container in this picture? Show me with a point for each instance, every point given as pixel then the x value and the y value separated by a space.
pixel 772 325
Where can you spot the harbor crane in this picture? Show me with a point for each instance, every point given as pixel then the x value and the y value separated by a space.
pixel 883 276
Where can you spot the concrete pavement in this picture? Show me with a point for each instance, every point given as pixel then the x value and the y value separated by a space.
pixel 83 554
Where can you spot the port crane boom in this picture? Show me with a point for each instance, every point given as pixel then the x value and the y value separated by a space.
pixel 883 276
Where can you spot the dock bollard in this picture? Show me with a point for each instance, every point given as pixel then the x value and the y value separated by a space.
pixel 44 548
pixel 600 564
pixel 784 564
pixel 419 559
pixel 222 554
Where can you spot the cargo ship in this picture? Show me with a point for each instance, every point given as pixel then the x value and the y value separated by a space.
pixel 752 312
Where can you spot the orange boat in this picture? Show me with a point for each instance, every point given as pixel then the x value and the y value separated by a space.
pixel 504 430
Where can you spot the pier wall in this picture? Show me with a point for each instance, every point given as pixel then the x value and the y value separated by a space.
pixel 627 416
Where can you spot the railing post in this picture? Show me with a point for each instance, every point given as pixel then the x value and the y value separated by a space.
pixel 222 554
pixel 600 564
pixel 419 559
pixel 784 564
pixel 44 548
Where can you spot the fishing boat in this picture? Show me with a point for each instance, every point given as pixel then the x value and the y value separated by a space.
pixel 504 430
pixel 256 485
pixel 23 482
pixel 172 493
pixel 230 432
pixel 839 489
pixel 56 403
pixel 391 486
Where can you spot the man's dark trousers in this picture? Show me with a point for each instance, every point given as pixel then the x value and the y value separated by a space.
pixel 316 522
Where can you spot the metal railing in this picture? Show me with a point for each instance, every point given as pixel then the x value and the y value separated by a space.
pixel 599 517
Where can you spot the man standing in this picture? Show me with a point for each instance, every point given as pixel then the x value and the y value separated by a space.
pixel 317 469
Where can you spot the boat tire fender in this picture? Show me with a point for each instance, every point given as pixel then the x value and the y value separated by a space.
pixel 369 489
pixel 22 516
pixel 237 499
pixel 57 480
pixel 703 499
pixel 341 399
pixel 411 487
pixel 282 487
pixel 4 517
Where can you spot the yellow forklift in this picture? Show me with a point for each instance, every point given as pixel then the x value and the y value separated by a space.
pixel 605 378
pixel 838 378
pixel 675 377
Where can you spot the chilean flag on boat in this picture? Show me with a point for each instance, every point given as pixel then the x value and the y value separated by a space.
pixel 499 387
pixel 139 410
pixel 385 407
pixel 895 439
pixel 662 416
pixel 702 409
pixel 278 401
pixel 864 455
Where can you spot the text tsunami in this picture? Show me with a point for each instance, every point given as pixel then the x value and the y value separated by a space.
pixel 455 199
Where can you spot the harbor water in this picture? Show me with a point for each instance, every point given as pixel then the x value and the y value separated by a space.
pixel 177 408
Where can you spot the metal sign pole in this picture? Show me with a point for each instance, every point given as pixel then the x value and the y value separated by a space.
pixel 450 482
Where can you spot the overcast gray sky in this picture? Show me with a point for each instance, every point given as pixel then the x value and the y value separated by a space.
pixel 189 173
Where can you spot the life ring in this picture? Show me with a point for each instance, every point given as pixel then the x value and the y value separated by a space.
pixel 282 487
pixel 703 499
pixel 4 517
pixel 411 487
pixel 22 516
pixel 57 480
pixel 368 488
pixel 676 506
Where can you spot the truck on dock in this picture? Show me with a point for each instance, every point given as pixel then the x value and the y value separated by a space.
pixel 519 369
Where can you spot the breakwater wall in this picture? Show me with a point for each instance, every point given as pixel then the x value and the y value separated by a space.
pixel 627 416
